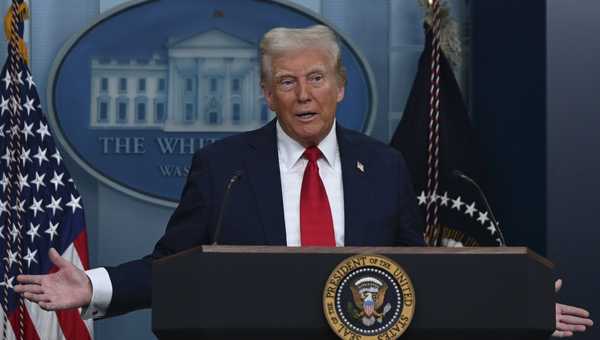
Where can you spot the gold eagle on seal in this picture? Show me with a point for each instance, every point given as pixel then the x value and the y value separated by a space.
pixel 368 294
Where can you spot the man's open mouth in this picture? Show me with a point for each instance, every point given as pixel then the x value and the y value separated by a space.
pixel 305 114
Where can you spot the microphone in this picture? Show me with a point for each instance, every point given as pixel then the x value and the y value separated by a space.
pixel 236 176
pixel 463 176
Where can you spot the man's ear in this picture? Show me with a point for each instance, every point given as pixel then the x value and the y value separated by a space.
pixel 341 92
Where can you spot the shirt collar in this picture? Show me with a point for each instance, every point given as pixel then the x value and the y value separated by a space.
pixel 290 151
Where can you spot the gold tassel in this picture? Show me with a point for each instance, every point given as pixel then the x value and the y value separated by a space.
pixel 23 13
pixel 449 36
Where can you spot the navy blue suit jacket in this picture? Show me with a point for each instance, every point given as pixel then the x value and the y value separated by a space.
pixel 379 204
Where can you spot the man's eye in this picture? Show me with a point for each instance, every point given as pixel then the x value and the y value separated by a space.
pixel 316 79
pixel 287 83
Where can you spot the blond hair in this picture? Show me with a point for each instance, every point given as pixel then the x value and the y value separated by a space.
pixel 281 40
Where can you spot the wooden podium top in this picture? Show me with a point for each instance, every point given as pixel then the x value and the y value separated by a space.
pixel 373 250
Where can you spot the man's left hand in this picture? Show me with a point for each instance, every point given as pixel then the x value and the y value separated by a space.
pixel 569 319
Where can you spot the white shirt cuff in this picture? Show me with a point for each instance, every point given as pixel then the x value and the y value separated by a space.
pixel 101 294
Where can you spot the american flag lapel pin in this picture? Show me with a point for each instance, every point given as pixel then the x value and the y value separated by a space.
pixel 360 166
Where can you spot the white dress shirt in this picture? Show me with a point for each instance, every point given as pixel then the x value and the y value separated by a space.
pixel 291 167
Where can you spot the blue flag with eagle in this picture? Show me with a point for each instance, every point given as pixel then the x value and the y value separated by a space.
pixel 39 203
pixel 462 216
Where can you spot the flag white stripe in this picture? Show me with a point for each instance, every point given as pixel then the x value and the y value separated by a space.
pixel 46 323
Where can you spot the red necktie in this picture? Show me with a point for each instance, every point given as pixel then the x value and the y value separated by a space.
pixel 316 223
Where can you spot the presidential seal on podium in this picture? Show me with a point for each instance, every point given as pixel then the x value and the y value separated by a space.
pixel 369 297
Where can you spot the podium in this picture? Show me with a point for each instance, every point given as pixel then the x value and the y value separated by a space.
pixel 244 292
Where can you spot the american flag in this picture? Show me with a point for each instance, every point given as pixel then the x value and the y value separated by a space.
pixel 39 203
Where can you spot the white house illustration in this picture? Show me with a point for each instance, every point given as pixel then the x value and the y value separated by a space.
pixel 207 82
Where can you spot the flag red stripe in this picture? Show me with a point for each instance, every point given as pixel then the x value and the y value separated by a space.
pixel 72 326
pixel 30 331
pixel 81 246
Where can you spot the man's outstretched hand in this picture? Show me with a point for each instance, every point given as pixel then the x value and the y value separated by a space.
pixel 69 287
pixel 569 319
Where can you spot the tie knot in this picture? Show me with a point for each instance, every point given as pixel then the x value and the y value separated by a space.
pixel 312 153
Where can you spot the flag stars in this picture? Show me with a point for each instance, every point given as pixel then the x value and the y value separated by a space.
pixel 25 156
pixel 471 209
pixel 30 257
pixel 483 217
pixel 7 81
pixel 39 180
pixel 8 283
pixel 457 203
pixel 29 80
pixel 8 156
pixel 491 228
pixel 37 206
pixel 11 257
pixel 74 203
pixel 57 180
pixel 19 206
pixel 14 233
pixel 444 199
pixel 422 198
pixel 26 131
pixel 41 155
pixel 33 231
pixel 57 156
pixel 43 131
pixel 3 207
pixel 433 198
pixel 4 182
pixel 55 205
pixel 3 106
pixel 29 105
pixel 52 230
pixel 23 181
pixel 20 78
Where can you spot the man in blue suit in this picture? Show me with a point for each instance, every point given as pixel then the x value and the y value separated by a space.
pixel 305 181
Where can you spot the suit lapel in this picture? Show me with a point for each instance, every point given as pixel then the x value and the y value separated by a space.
pixel 262 166
pixel 355 184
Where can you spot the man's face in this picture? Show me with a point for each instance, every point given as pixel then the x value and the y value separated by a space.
pixel 304 92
